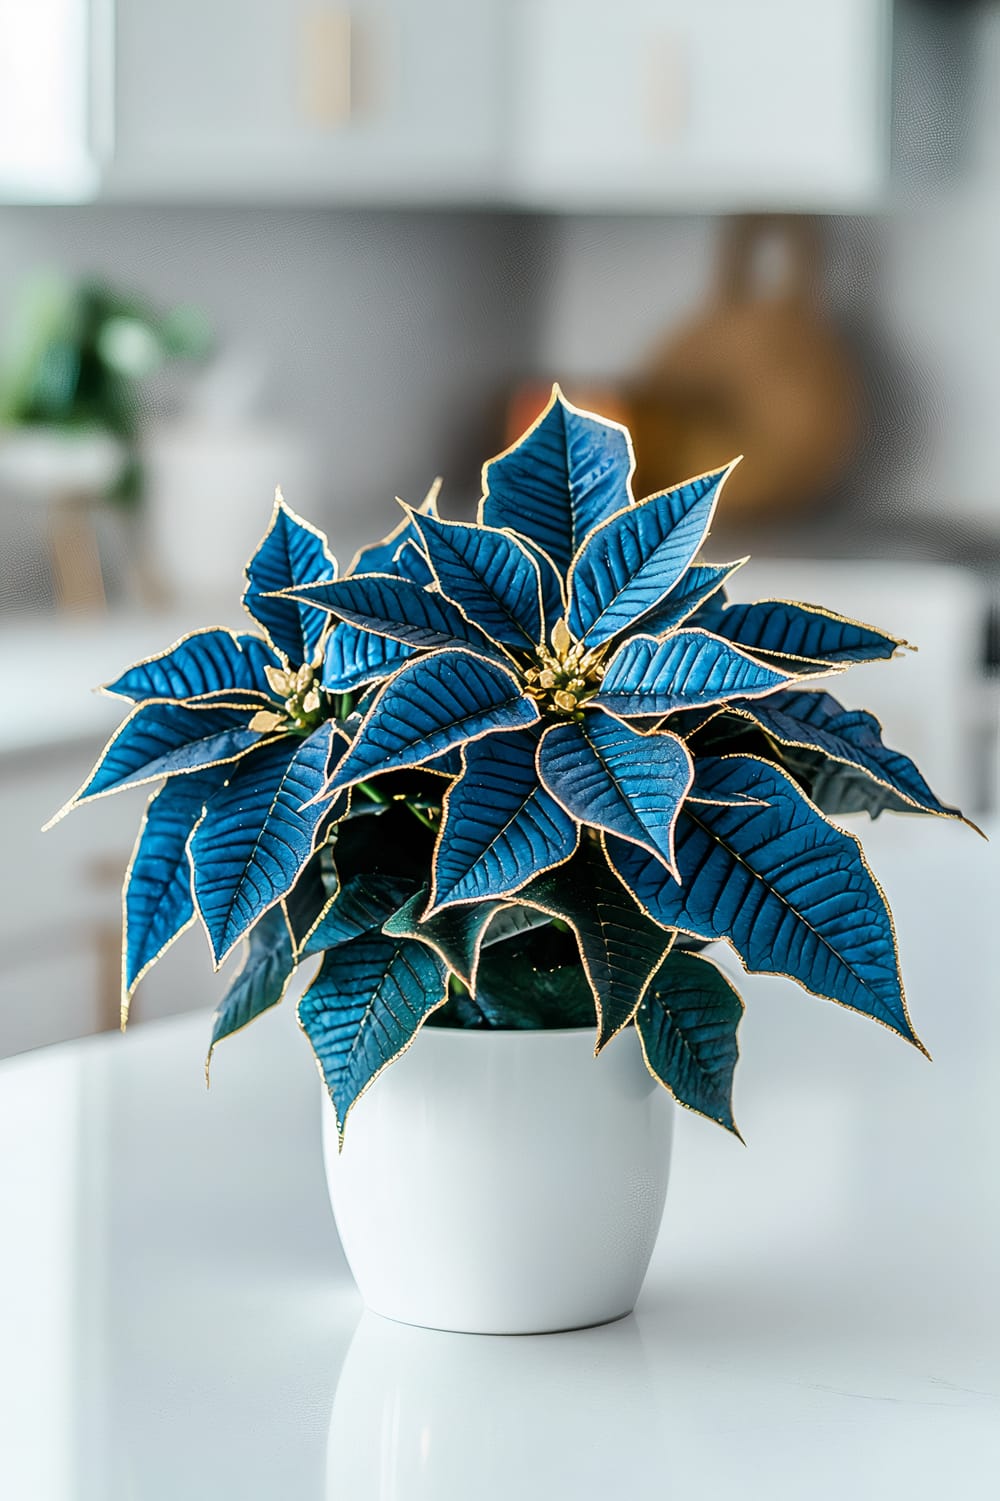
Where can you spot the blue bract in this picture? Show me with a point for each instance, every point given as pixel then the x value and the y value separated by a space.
pixel 544 745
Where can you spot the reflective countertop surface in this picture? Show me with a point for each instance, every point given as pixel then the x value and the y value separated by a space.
pixel 821 1318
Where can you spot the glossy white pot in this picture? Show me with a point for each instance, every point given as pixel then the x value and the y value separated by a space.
pixel 503 1182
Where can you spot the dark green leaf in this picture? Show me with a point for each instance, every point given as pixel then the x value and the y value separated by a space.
pixel 364 1008
pixel 523 985
pixel 262 981
pixel 687 1023
pixel 621 948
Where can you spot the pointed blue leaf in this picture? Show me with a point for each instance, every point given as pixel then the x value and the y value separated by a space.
pixel 687 1023
pixel 257 834
pixel 397 552
pixel 489 575
pixel 261 983
pixel 355 657
pixel 849 738
pixel 431 705
pixel 411 564
pixel 792 893
pixel 499 827
pixel 610 777
pixel 365 1007
pixel 165 739
pixel 629 564
pixel 805 633
pixel 701 582
pixel 157 901
pixel 620 947
pixel 291 553
pixel 399 608
pixel 570 471
pixel 206 662
pixel 383 556
pixel 448 764
pixel 689 670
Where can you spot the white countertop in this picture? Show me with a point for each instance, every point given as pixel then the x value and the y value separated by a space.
pixel 821 1319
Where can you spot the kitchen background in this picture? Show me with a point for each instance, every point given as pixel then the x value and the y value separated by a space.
pixel 248 242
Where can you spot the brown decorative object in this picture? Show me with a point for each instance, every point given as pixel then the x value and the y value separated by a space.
pixel 759 371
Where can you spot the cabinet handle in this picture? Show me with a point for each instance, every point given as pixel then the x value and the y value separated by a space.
pixel 326 59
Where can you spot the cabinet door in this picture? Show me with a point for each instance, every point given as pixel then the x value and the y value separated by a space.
pixel 725 104
pixel 375 100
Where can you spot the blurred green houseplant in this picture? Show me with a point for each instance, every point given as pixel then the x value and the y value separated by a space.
pixel 77 358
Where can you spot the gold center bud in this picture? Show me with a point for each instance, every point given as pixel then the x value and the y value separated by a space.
pixel 565 676
pixel 302 705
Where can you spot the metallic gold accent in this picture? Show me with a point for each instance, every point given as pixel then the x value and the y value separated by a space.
pixel 566 675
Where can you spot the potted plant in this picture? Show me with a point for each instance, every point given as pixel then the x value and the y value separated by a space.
pixel 505 782
pixel 72 397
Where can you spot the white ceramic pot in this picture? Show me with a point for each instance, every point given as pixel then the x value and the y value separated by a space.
pixel 503 1182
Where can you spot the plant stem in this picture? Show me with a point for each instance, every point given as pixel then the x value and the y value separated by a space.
pixel 373 793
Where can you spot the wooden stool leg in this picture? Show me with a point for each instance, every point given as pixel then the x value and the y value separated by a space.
pixel 76 562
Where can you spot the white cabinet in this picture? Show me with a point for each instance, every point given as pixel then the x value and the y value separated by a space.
pixel 550 104
pixel 261 100
pixel 48 72
pixel 719 104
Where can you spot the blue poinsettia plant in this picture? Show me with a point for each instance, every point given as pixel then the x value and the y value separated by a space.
pixel 516 773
